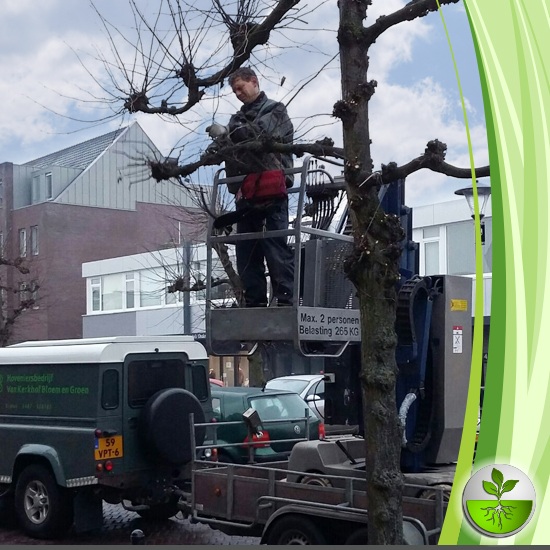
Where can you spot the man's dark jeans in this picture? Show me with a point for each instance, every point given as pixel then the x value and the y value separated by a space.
pixel 277 253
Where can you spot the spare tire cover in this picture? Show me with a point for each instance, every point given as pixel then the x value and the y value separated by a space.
pixel 165 424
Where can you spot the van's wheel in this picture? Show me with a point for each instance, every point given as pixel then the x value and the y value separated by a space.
pixel 295 530
pixel 160 512
pixel 43 508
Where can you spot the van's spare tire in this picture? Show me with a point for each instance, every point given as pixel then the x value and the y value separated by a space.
pixel 165 424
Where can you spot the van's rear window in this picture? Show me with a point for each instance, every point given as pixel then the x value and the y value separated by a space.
pixel 145 378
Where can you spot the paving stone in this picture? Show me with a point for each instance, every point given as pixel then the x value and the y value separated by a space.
pixel 118 524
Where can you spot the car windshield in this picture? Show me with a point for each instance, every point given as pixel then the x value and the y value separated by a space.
pixel 274 407
pixel 287 384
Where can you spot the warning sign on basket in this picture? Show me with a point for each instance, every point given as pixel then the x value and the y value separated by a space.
pixel 457 339
pixel 459 305
pixel 329 324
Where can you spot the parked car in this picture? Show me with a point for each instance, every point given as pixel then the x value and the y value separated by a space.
pixel 310 387
pixel 229 404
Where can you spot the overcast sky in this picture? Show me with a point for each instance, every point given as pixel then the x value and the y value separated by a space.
pixel 44 82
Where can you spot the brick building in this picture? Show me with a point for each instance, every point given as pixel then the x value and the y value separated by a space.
pixel 92 201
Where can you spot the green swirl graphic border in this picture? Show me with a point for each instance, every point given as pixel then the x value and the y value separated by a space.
pixel 512 41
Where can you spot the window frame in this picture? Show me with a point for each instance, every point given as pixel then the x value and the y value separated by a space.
pixel 49 185
pixel 105 406
pixel 33 289
pixel 35 189
pixel 35 243
pixel 418 236
pixel 23 243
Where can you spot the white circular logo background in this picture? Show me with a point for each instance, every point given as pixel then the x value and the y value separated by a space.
pixel 474 490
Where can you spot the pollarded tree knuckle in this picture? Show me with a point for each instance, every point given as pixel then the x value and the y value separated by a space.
pixel 137 102
pixel 346 111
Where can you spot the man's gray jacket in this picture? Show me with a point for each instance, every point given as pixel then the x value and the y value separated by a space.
pixel 263 118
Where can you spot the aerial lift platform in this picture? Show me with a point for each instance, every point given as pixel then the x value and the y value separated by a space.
pixel 433 324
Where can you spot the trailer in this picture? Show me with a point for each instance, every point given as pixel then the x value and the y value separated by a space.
pixel 262 500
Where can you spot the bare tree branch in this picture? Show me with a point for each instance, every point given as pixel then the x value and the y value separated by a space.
pixel 433 159
pixel 244 35
pixel 411 11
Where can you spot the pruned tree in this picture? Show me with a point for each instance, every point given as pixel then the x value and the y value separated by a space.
pixel 171 84
pixel 23 293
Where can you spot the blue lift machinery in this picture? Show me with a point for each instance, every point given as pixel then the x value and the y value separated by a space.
pixel 322 332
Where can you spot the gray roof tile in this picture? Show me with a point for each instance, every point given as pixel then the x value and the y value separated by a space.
pixel 77 156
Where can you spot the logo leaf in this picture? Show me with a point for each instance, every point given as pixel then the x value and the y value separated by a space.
pixel 490 488
pixel 497 476
pixel 509 485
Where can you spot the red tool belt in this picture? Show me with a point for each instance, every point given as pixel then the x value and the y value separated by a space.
pixel 262 186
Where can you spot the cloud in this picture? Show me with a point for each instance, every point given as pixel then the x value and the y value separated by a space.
pixel 35 59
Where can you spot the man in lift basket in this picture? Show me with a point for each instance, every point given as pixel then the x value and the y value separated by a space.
pixel 261 199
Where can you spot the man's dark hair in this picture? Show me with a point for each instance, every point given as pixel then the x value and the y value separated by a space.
pixel 244 73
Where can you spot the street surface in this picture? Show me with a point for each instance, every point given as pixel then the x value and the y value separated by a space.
pixel 118 524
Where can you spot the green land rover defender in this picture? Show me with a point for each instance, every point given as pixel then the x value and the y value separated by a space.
pixel 82 421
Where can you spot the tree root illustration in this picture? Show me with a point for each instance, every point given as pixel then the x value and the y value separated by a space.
pixel 499 511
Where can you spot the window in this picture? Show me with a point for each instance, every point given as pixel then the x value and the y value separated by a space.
pixel 150 289
pixel 49 187
pixel 23 295
pixel 145 378
pixel 200 382
pixel 130 291
pixel 4 299
pixel 218 291
pixel 111 292
pixel 461 252
pixel 34 286
pixel 35 190
pixel 109 389
pixel 22 242
pixel 278 406
pixel 217 408
pixel 34 240
pixel 171 297
pixel 199 273
pixel 431 257
pixel 317 389
pixel 96 293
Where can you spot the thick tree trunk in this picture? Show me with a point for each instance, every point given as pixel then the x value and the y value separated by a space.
pixel 373 269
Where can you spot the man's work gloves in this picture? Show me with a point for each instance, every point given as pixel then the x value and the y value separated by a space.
pixel 217 130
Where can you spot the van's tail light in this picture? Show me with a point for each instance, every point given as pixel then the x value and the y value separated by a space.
pixel 262 436
pixel 98 433
pixel 214 456
pixel 108 466
pixel 322 432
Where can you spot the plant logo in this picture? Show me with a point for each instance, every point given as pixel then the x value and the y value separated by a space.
pixel 514 505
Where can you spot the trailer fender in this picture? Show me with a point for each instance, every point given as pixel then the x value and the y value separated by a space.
pixel 44 453
pixel 303 510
